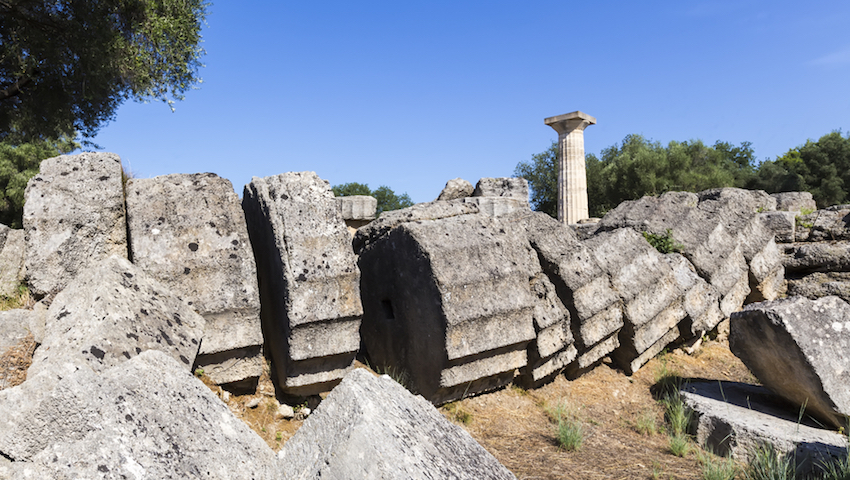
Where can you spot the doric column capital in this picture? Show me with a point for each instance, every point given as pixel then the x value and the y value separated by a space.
pixel 568 122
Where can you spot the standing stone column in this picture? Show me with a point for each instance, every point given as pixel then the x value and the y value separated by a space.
pixel 572 175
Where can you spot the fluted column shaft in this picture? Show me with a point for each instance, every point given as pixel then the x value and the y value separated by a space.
pixel 572 173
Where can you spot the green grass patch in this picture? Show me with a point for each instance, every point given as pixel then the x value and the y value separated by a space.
pixel 664 243
pixel 680 445
pixel 569 428
pixel 768 464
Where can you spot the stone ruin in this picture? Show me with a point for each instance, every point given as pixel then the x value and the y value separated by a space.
pixel 456 297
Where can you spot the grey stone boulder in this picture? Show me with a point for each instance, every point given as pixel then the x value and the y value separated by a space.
pixel 596 310
pixel 647 286
pixel 498 206
pixel 456 188
pixel 310 283
pixel 188 232
pixel 796 202
pixel 734 419
pixel 449 303
pixel 111 313
pixel 803 258
pixel 829 224
pixel 371 427
pixel 146 418
pixel 800 349
pixel 73 217
pixel 513 187
pixel 821 284
pixel 12 251
pixel 720 234
pixel 783 224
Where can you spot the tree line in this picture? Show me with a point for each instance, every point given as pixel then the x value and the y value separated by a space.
pixel 637 167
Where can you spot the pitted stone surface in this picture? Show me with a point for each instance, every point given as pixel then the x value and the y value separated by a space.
pixel 357 207
pixel 73 217
pixel 513 187
pixel 111 313
pixel 189 233
pixel 800 349
pixel 371 427
pixel 12 251
pixel 795 202
pixel 146 418
pixel 309 277
pixel 448 301
pixel 456 188
pixel 783 224
pixel 701 301
pixel 14 327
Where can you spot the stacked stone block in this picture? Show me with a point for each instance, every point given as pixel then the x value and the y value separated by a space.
pixel 12 248
pixel 447 301
pixel 309 280
pixel 596 310
pixel 647 286
pixel 189 232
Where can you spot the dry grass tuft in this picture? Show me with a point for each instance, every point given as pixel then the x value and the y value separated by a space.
pixel 15 361
pixel 20 299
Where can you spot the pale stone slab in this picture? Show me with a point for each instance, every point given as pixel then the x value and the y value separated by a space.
pixel 309 277
pixel 371 427
pixel 456 188
pixel 146 418
pixel 188 232
pixel 12 252
pixel 357 207
pixel 73 217
pixel 111 313
pixel 800 349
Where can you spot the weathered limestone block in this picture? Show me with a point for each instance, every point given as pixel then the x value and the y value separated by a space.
pixel 357 207
pixel 831 223
pixel 188 232
pixel 12 251
pixel 783 224
pixel 498 206
pixel 448 302
pixel 802 258
pixel 796 202
pixel 709 228
pixel 111 313
pixel 733 419
pixel 652 299
pixel 821 284
pixel 596 310
pixel 421 211
pixel 371 427
pixel 513 187
pixel 73 217
pixel 146 418
pixel 800 349
pixel 553 348
pixel 456 188
pixel 701 300
pixel 310 283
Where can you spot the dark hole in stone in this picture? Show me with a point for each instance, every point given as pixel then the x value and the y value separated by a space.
pixel 387 308
pixel 97 352
pixel 186 270
pixel 193 247
pixel 184 359
pixel 235 242
pixel 232 255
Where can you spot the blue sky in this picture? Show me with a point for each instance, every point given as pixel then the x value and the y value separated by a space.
pixel 411 94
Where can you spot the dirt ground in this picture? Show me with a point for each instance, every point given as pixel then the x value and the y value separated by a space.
pixel 624 430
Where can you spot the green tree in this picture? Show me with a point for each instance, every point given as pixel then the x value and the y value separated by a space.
pixel 387 198
pixel 66 65
pixel 637 167
pixel 542 175
pixel 19 163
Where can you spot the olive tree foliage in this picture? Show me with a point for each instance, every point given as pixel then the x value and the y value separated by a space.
pixel 637 167
pixel 66 65
pixel 387 198
pixel 19 163
pixel 821 167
